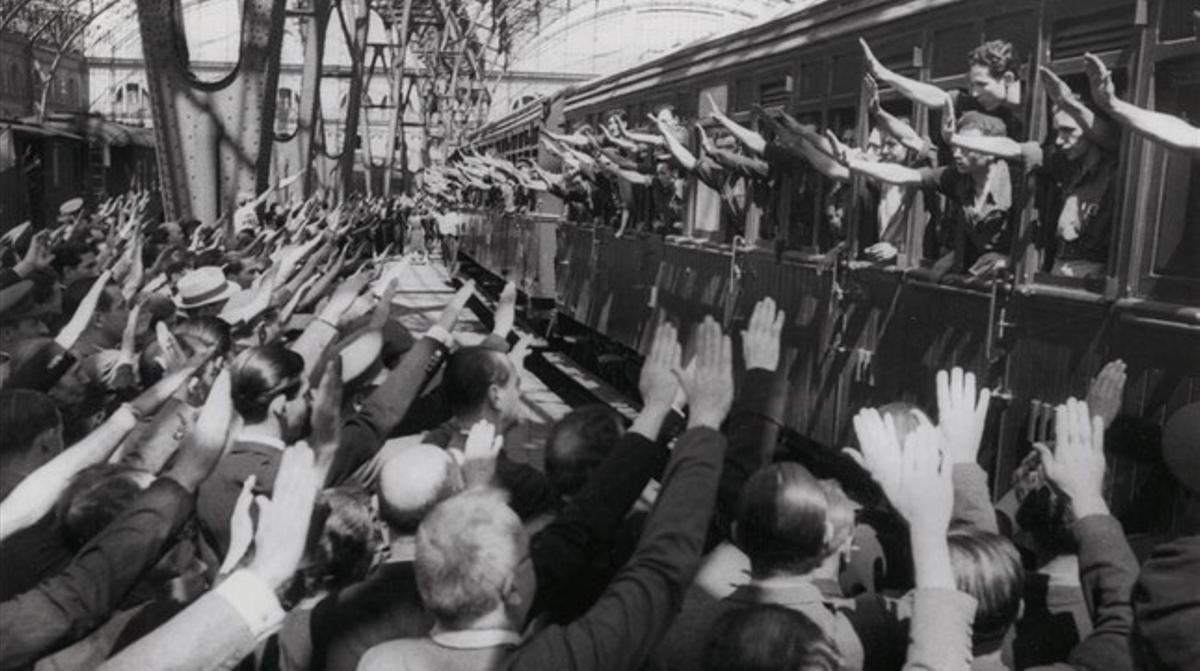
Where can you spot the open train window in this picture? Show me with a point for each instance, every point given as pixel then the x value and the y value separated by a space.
pixel 1171 256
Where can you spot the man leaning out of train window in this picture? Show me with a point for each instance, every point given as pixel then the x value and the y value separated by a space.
pixel 978 191
pixel 1075 168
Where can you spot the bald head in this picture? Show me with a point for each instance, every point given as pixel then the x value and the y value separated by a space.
pixel 412 483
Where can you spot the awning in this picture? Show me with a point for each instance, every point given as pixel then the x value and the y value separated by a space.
pixel 36 130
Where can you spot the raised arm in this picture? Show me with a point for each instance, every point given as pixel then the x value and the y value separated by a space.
pixel 1002 147
pixel 749 139
pixel 36 494
pixel 680 152
pixel 890 124
pixel 1163 128
pixel 918 92
pixel 1107 566
pixel 1096 129
pixel 892 173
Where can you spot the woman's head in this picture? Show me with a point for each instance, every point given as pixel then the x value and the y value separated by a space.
pixel 267 382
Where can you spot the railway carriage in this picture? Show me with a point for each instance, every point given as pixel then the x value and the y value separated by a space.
pixel 863 334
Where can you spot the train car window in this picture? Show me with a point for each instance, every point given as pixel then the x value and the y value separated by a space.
pixel 1176 20
pixel 1074 177
pixel 718 94
pixel 814 82
pixel 1176 243
pixel 793 210
pixel 950 48
pixel 837 198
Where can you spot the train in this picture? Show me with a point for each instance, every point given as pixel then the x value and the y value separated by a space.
pixel 861 334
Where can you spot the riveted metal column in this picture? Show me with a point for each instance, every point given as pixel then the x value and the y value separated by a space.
pixel 213 139
pixel 399 46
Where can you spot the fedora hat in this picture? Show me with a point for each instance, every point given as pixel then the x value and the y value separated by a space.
pixel 203 286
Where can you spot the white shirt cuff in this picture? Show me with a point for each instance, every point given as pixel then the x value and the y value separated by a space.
pixel 441 335
pixel 254 601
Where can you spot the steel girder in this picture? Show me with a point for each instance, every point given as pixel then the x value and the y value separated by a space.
pixel 214 139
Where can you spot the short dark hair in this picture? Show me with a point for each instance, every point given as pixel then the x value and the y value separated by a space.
pixel 988 567
pixel 781 520
pixel 578 443
pixel 470 372
pixel 262 373
pixel 987 124
pixel 95 497
pixel 769 638
pixel 25 415
pixel 70 254
pixel 1047 518
pixel 998 56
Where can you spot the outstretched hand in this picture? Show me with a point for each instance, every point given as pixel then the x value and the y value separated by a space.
pixel 480 453
pixel 454 308
pixel 283 519
pixel 657 382
pixel 709 388
pixel 1107 392
pixel 872 64
pixel 506 310
pixel 1058 90
pixel 961 414
pixel 872 90
pixel 760 340
pixel 204 446
pixel 1076 464
pixel 1104 93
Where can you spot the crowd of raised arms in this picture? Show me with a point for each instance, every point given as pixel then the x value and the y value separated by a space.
pixel 972 168
pixel 220 448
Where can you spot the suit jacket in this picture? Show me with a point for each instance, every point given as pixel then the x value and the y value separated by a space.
pixel 65 608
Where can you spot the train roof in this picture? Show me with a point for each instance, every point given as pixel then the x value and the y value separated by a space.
pixel 530 112
pixel 805 26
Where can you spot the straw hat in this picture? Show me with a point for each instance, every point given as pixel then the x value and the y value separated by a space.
pixel 203 286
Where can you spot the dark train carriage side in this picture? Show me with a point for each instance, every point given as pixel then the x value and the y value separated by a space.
pixel 860 334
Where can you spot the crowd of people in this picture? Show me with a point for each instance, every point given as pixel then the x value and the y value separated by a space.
pixel 221 448
pixel 973 168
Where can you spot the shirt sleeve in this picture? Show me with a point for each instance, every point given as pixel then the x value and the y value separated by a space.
pixel 67 607
pixel 940 637
pixel 621 630
pixel 972 502
pixel 215 632
pixel 934 178
pixel 364 434
pixel 1108 571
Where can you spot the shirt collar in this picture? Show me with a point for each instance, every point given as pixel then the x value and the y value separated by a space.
pixel 469 639
pixel 783 591
pixel 259 437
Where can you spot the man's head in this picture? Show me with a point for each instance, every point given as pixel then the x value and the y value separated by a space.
pixel 1069 137
pixel 783 521
pixel 667 115
pixel 578 443
pixel 977 124
pixel 31 427
pixel 111 313
pixel 267 382
pixel 472 560
pixel 769 638
pixel 994 73
pixel 664 174
pixel 612 121
pixel 988 567
pixel 75 260
pixel 412 483
pixel 483 384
